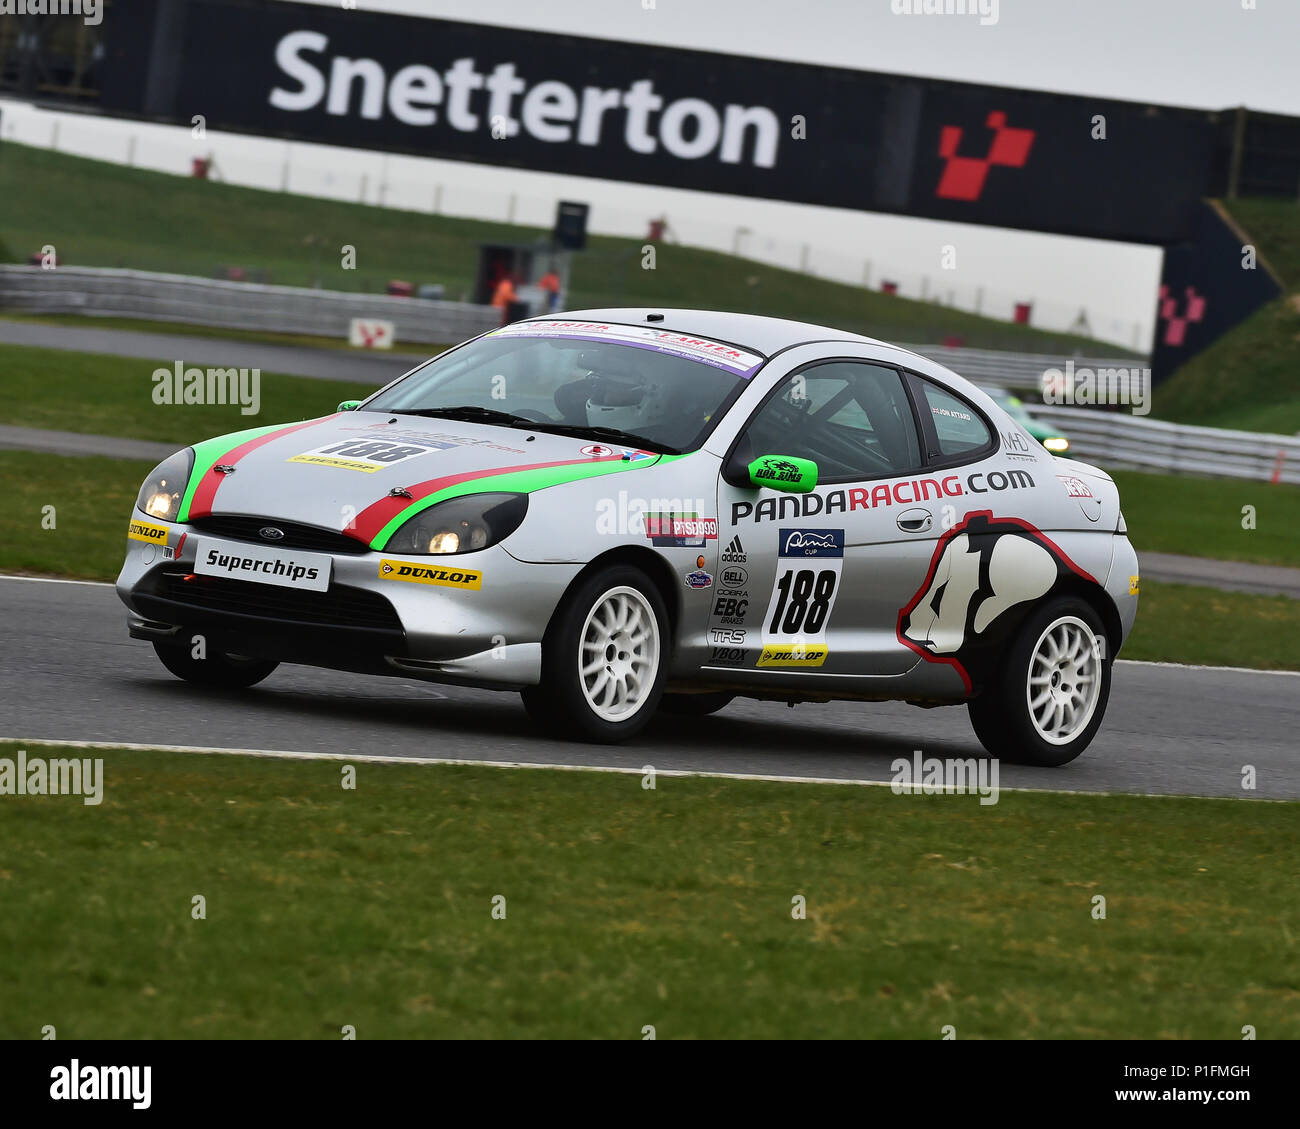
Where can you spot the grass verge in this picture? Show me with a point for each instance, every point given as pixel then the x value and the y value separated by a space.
pixel 1187 623
pixel 1202 517
pixel 627 907
pixel 103 395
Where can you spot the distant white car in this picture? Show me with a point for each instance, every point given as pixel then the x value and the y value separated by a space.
pixel 620 510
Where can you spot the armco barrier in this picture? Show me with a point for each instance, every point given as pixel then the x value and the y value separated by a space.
pixel 1117 439
pixel 1111 439
pixel 234 305
pixel 1016 371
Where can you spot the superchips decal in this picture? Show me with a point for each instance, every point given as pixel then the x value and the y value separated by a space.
pixel 981 568
pixel 147 532
pixel 466 579
pixel 809 568
pixel 714 353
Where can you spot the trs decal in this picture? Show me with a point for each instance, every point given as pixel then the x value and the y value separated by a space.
pixel 1133 585
pixel 147 532
pixel 981 568
pixel 790 507
pixel 463 578
pixel 808 572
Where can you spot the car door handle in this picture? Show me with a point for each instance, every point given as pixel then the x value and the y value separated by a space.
pixel 915 521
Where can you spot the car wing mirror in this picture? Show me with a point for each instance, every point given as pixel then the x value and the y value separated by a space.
pixel 787 473
pixel 348 406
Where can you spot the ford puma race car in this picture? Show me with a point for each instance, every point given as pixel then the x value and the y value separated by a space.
pixel 619 511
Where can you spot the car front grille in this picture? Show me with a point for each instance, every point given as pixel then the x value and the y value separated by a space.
pixel 309 538
pixel 339 607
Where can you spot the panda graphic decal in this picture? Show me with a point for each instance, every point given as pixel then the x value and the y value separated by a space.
pixel 981 568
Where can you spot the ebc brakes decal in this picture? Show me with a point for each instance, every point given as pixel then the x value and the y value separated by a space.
pixel 809 569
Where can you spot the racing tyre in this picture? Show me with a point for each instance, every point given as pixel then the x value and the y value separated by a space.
pixel 227 672
pixel 1046 703
pixel 695 705
pixel 603 659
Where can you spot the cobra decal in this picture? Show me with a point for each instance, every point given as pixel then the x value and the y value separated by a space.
pixel 981 568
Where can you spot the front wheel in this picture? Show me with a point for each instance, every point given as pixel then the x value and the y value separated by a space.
pixel 604 658
pixel 1046 704
pixel 227 672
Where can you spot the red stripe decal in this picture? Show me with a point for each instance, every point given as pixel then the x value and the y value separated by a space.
pixel 374 517
pixel 206 491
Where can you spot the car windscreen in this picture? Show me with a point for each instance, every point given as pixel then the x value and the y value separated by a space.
pixel 643 382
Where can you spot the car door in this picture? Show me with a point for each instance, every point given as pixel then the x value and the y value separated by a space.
pixel 810 585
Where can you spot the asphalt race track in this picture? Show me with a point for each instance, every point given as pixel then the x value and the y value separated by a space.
pixel 69 672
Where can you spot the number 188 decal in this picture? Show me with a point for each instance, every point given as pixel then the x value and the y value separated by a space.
pixel 808 572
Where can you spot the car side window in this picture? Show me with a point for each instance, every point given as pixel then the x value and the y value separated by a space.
pixel 958 428
pixel 853 419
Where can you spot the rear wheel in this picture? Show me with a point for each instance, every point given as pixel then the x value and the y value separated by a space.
pixel 695 705
pixel 229 672
pixel 1047 702
pixel 603 659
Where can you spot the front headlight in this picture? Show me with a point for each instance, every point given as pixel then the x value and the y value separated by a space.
pixel 160 496
pixel 460 525
pixel 1057 443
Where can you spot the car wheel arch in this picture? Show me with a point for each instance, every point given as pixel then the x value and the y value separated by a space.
pixel 657 571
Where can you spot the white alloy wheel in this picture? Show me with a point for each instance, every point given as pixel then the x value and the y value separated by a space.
pixel 1064 680
pixel 618 654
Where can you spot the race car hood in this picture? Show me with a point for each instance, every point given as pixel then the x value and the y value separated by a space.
pixel 364 473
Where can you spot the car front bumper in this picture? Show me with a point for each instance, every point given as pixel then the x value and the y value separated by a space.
pixel 366 621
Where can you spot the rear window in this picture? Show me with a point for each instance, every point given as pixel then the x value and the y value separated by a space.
pixel 958 428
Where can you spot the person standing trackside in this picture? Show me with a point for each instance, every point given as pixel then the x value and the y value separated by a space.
pixel 505 296
pixel 550 283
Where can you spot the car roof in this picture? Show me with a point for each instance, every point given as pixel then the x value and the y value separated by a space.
pixel 752 331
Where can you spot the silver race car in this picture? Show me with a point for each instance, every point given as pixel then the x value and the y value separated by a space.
pixel 618 511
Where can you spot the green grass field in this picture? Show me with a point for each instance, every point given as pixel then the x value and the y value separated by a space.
pixel 93 498
pixel 102 395
pixel 627 907
pixel 1202 517
pixel 153 221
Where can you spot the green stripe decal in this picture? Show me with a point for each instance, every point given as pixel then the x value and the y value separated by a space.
pixel 517 482
pixel 208 452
